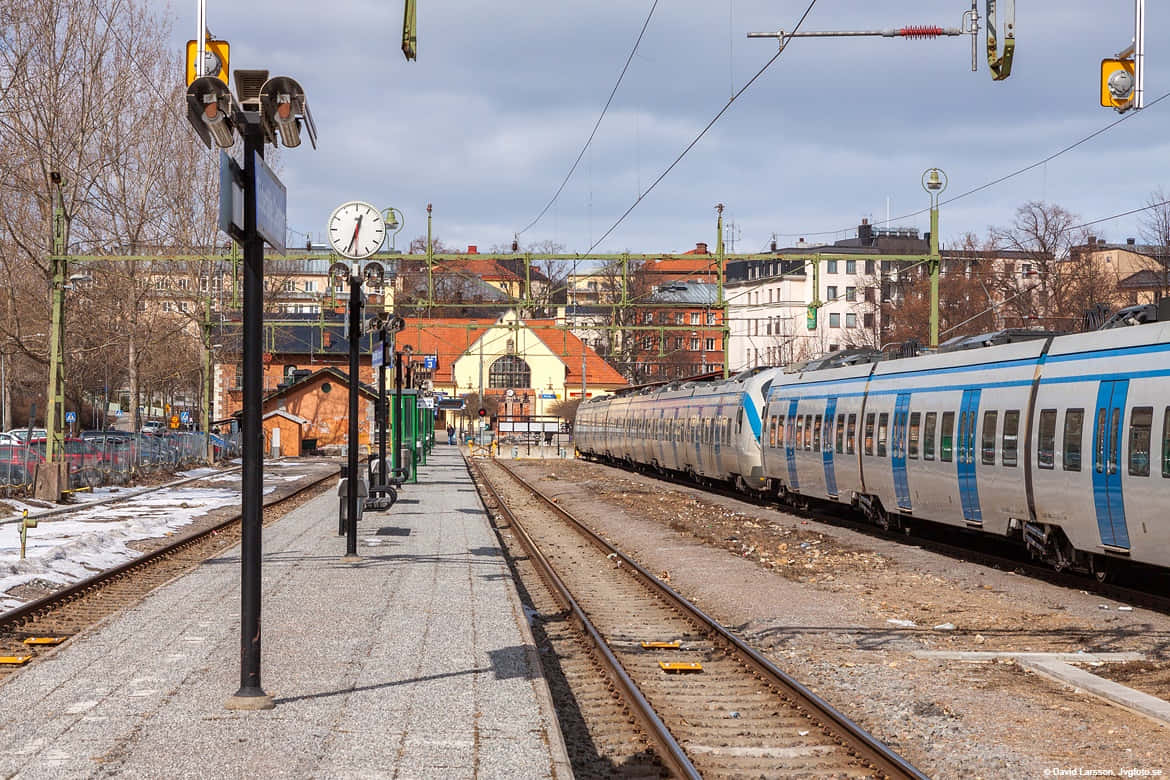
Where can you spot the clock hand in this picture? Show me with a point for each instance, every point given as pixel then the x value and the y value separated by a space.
pixel 356 229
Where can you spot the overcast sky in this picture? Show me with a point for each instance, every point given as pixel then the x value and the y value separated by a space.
pixel 487 121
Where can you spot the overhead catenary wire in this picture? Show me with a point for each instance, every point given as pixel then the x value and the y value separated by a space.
pixel 702 132
pixel 596 124
pixel 1005 177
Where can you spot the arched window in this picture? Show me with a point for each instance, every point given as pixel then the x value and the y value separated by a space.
pixel 509 371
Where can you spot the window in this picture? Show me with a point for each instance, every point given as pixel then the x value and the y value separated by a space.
pixel 798 436
pixel 883 429
pixel 772 432
pixel 311 285
pixel 808 430
pixel 831 292
pixel 867 319
pixel 817 434
pixel 841 434
pixel 1141 421
pixel 990 423
pixel 928 427
pixel 851 436
pixel 850 266
pixel 1046 447
pixel 831 266
pixel 648 317
pixel 1074 423
pixel 869 433
pixel 946 437
pixel 694 345
pixel 1011 437
pixel 915 425
pixel 1166 443
pixel 694 318
pixel 868 295
pixel 710 344
pixel 710 318
pixel 851 293
pixel 834 320
pixel 850 320
pixel 509 371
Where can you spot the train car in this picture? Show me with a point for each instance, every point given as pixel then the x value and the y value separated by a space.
pixel 1061 443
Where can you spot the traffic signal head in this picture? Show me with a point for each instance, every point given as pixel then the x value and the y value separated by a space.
pixel 1117 82
pixel 482 412
pixel 209 110
pixel 283 107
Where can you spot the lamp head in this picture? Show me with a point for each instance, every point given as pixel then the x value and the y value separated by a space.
pixel 339 273
pixel 934 181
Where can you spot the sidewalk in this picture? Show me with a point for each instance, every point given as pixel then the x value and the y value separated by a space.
pixel 415 663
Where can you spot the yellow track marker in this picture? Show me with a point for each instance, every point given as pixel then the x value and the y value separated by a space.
pixel 15 660
pixel 679 667
pixel 45 640
pixel 675 645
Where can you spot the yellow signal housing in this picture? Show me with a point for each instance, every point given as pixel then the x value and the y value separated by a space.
pixel 410 30
pixel 221 50
pixel 1115 74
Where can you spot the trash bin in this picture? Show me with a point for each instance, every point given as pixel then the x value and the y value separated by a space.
pixel 363 491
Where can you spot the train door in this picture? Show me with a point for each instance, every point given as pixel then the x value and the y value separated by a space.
pixel 827 448
pixel 1107 495
pixel 898 451
pixel 790 446
pixel 965 457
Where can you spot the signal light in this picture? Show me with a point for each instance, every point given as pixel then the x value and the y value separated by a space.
pixel 482 412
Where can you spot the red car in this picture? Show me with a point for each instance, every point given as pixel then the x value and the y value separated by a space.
pixel 18 463
pixel 85 460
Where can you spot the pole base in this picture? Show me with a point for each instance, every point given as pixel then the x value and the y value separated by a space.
pixel 354 558
pixel 254 699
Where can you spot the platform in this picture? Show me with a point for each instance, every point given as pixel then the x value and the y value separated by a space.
pixel 416 662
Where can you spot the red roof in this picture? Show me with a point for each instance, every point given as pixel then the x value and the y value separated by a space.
pixel 701 265
pixel 485 268
pixel 451 338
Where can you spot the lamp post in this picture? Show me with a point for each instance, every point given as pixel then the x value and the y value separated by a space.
pixel 934 181
pixel 394 224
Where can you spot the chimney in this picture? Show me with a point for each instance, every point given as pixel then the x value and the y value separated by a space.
pixel 1092 240
pixel 865 233
pixel 472 249
pixel 701 248
pixel 1130 241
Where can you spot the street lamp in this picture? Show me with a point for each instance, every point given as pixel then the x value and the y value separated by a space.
pixel 934 181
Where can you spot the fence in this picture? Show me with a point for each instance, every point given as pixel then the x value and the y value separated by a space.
pixel 99 458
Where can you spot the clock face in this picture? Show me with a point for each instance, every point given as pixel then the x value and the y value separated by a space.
pixel 356 230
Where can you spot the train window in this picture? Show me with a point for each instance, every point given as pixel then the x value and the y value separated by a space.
pixel 1166 443
pixel 808 431
pixel 1046 455
pixel 990 423
pixel 928 428
pixel 840 434
pixel 780 431
pixel 1074 423
pixel 1011 437
pixel 869 433
pixel 946 440
pixel 817 434
pixel 851 435
pixel 1141 421
pixel 883 429
pixel 739 420
pixel 772 431
pixel 798 438
pixel 915 426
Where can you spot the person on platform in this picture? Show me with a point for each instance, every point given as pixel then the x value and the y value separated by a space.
pixel 450 434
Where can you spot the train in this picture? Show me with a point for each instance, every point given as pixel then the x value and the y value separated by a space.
pixel 1060 443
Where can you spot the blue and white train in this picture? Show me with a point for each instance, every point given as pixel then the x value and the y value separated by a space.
pixel 1059 442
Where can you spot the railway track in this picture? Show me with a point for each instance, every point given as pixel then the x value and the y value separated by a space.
pixel 711 705
pixel 37 627
pixel 1153 594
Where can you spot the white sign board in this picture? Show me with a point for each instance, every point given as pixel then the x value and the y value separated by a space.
pixel 271 199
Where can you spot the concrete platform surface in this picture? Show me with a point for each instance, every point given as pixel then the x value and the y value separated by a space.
pixel 416 662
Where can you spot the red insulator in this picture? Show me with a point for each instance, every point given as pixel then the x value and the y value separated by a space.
pixel 920 31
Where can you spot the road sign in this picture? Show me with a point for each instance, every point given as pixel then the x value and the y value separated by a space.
pixel 271 200
pixel 174 421
pixel 117 412
pixel 548 396
pixel 217 53
pixel 425 403
pixel 70 417
pixel 376 356
pixel 431 362
pixel 184 417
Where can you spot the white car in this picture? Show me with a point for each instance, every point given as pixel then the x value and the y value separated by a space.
pixel 22 434
pixel 152 426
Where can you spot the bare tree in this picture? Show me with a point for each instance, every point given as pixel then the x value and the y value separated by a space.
pixel 1155 233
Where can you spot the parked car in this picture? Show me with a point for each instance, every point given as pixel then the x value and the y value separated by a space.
pixel 18 463
pixel 152 426
pixel 86 463
pixel 21 434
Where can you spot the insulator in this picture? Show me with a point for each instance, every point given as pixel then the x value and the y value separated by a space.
pixel 920 31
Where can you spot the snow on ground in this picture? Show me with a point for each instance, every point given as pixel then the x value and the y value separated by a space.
pixel 79 544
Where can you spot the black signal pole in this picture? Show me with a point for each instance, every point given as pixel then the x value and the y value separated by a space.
pixel 250 695
pixel 355 335
pixel 385 411
pixel 397 412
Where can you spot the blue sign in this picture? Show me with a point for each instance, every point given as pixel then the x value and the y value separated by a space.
pixel 271 199
pixel 118 413
pixel 548 396
pixel 376 355
pixel 231 197
pixel 431 362
pixel 184 417
pixel 70 417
